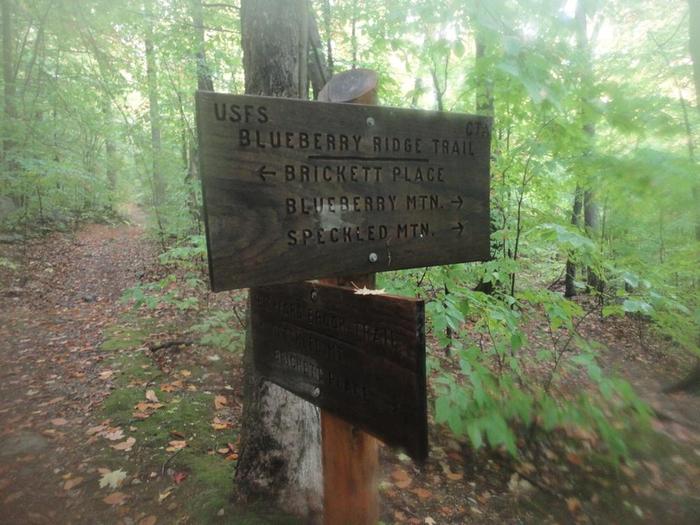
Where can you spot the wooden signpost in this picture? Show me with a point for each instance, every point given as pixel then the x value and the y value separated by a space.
pixel 296 190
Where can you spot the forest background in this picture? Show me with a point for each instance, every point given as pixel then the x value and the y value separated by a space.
pixel 594 176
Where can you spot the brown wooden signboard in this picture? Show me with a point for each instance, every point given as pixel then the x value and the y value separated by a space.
pixel 361 357
pixel 296 190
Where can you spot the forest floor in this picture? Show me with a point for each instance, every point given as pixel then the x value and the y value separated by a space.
pixel 100 425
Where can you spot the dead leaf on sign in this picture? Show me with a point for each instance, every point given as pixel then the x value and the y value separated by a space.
pixel 366 291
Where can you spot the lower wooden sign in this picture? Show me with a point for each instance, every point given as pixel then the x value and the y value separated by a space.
pixel 361 357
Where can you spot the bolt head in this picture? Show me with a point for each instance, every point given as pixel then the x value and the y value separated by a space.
pixel 370 121
pixel 373 257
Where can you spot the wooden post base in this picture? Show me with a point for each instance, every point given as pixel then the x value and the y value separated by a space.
pixel 350 473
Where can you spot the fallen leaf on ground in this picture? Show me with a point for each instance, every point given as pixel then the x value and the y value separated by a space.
pixel 151 396
pixel 59 421
pixel 401 478
pixel 94 430
pixel 220 402
pixel 114 434
pixel 148 520
pixel 429 521
pixel 125 445
pixel 164 494
pixel 112 479
pixel 169 387
pixel 219 424
pixel 573 504
pixel 176 445
pixel 106 374
pixel 72 483
pixel 185 373
pixel 179 477
pixel 422 493
pixel 116 498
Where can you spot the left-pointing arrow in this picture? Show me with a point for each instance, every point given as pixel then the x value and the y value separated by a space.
pixel 262 172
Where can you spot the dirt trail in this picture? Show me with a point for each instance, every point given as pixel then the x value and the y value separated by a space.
pixel 51 322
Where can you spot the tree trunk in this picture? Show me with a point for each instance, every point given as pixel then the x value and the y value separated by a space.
pixel 8 76
pixel 484 106
pixel 204 80
pixel 110 150
pixel 590 205
pixel 692 381
pixel 154 111
pixel 570 278
pixel 280 455
pixel 319 73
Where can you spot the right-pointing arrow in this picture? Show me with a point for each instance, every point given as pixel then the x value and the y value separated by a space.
pixel 459 227
pixel 458 201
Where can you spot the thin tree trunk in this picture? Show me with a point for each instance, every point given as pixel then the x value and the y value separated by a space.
pixel 484 106
pixel 318 67
pixel 8 76
pixel 280 455
pixel 154 111
pixel 590 204
pixel 204 80
pixel 569 280
pixel 353 35
pixel 327 19
pixel 110 150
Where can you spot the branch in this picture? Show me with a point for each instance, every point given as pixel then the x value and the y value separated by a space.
pixel 168 344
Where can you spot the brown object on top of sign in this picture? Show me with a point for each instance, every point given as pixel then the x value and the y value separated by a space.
pixel 361 357
pixel 296 190
pixel 358 86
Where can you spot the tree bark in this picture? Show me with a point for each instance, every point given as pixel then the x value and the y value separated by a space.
pixel 590 205
pixel 204 80
pixel 280 456
pixel 110 149
pixel 319 73
pixel 570 278
pixel 8 76
pixel 154 111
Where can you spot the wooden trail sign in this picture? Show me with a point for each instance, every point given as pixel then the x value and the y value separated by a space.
pixel 361 357
pixel 297 190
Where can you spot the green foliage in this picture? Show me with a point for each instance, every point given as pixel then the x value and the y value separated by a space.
pixel 218 330
pixel 167 291
pixel 506 384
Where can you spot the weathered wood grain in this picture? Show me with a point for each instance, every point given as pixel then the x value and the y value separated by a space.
pixel 296 190
pixel 361 357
